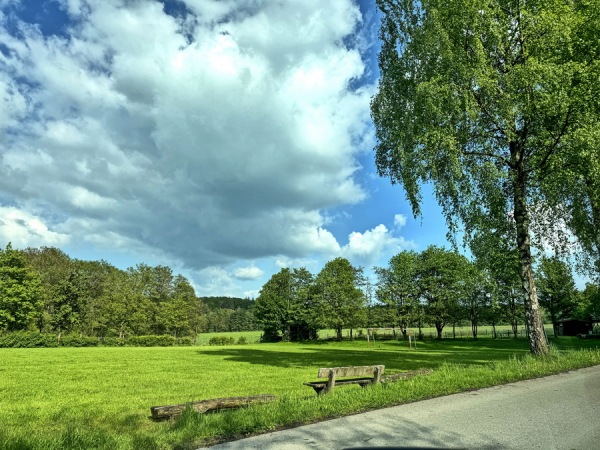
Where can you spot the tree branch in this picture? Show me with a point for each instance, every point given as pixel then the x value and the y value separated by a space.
pixel 489 155
pixel 477 97
pixel 554 145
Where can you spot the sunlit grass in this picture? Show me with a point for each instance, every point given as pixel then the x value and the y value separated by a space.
pixel 100 397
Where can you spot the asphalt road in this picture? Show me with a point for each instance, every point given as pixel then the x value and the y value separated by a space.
pixel 556 412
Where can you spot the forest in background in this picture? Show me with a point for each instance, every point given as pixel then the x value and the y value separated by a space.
pixel 44 290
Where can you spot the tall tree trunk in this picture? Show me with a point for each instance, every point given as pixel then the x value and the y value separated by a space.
pixel 439 326
pixel 537 338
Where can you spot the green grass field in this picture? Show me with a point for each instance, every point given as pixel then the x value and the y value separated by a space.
pixel 100 397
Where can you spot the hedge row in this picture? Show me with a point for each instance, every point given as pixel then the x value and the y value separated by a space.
pixel 224 340
pixel 35 340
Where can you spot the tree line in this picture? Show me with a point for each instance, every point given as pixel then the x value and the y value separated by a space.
pixel 44 289
pixel 436 287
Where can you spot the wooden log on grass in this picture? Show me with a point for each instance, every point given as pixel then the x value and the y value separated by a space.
pixel 203 406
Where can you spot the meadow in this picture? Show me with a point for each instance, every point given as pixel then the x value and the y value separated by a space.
pixel 57 398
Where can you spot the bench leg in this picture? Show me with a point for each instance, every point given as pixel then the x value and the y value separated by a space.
pixel 377 375
pixel 319 389
pixel 330 382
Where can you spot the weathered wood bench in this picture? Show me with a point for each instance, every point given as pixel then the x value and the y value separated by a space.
pixel 368 375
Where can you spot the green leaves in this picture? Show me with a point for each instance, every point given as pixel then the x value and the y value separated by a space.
pixel 286 306
pixel 20 294
pixel 556 289
pixel 489 100
pixel 342 302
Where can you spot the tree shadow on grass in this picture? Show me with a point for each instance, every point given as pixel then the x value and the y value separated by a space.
pixel 396 357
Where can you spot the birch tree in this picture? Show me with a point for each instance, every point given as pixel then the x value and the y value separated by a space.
pixel 484 99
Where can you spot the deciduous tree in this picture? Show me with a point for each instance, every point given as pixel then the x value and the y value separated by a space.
pixel 341 301
pixel 20 292
pixel 397 287
pixel 284 307
pixel 482 98
pixel 557 290
pixel 442 281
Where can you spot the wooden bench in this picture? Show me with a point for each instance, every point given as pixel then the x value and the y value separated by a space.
pixel 367 374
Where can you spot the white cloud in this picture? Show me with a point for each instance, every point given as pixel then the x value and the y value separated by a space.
pixel 373 245
pixel 248 273
pixel 214 281
pixel 210 139
pixel 24 229
pixel 399 221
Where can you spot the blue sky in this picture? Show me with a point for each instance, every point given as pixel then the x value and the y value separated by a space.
pixel 226 139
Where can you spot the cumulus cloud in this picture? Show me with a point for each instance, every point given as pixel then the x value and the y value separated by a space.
pixel 399 221
pixel 215 134
pixel 372 245
pixel 23 229
pixel 214 281
pixel 248 273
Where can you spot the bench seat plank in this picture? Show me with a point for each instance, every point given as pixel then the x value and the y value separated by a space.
pixel 354 371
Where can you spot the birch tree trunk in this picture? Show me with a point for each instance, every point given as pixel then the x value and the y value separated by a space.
pixel 537 338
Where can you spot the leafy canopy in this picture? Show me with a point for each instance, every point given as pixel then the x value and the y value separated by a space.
pixel 470 90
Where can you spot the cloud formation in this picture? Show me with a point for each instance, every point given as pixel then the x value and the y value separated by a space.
pixel 213 133
pixel 217 133
pixel 248 273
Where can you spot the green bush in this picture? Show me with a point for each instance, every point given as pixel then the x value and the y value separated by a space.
pixel 31 339
pixel 28 339
pixel 111 341
pixel 221 340
pixel 184 341
pixel 242 340
pixel 71 340
pixel 151 341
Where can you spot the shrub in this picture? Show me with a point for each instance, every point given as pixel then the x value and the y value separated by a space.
pixel 221 340
pixel 28 339
pixel 112 341
pixel 71 340
pixel 242 340
pixel 270 335
pixel 151 341
pixel 184 341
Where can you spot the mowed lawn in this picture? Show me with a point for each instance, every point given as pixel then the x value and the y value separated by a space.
pixel 101 397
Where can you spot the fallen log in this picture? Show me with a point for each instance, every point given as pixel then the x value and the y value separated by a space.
pixel 405 375
pixel 203 406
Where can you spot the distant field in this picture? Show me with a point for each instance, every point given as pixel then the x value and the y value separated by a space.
pixel 59 398
pixel 461 332
pixel 252 337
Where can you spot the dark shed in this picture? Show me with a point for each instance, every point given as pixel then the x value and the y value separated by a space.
pixel 573 327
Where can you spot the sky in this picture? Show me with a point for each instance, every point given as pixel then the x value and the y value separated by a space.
pixel 226 139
